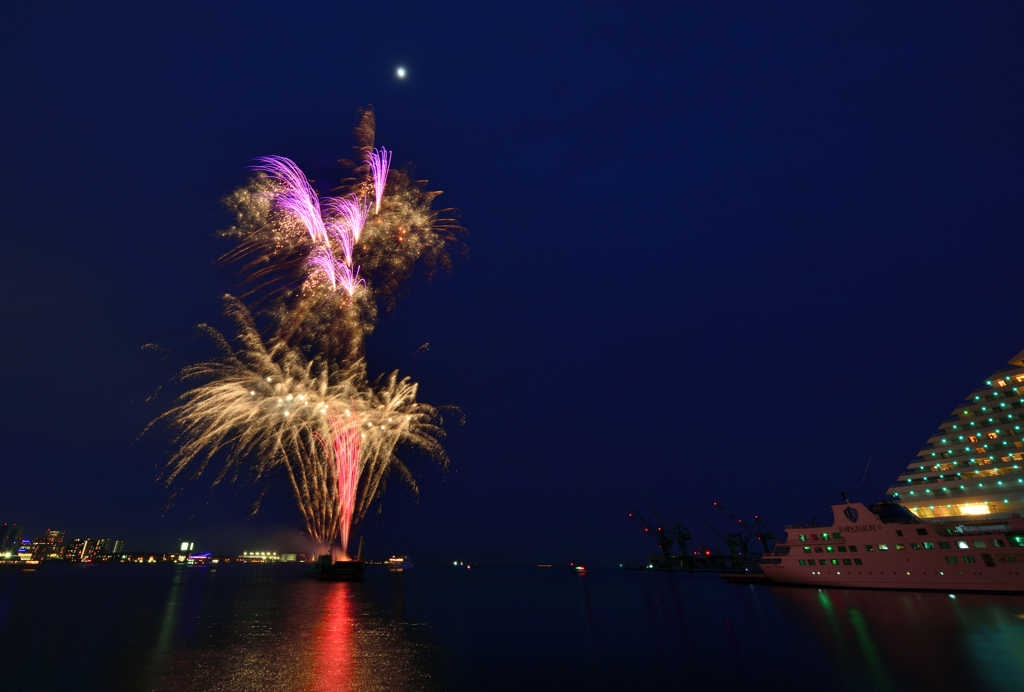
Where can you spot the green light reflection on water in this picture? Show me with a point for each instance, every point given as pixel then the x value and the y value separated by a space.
pixel 875 662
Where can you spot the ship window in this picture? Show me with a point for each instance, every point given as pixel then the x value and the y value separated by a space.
pixel 962 545
pixel 842 548
pixel 847 561
pixel 822 562
pixel 824 536
pixel 817 550
pixel 803 562
pixel 803 538
pixel 898 532
pixel 869 548
pixel 915 546
pixel 853 548
pixel 830 548
pixel 835 562
pixel 883 546
pixel 807 548
pixel 972 438
pixel 929 546
pixel 969 560
pixel 1016 539
pixel 814 536
pixel 900 546
pixel 922 532
pixel 951 559
pixel 979 544
pixel 944 545
pixel 996 543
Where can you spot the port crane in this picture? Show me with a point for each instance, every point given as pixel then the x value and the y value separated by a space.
pixel 660 535
pixel 734 541
pixel 682 536
pixel 665 537
pixel 757 528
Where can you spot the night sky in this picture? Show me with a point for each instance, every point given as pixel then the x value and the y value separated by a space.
pixel 720 253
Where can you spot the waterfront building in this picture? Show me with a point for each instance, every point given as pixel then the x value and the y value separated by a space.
pixel 973 467
pixel 82 549
pixel 109 546
pixel 75 548
pixel 49 546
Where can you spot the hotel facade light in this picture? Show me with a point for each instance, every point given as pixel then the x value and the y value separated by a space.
pixel 984 439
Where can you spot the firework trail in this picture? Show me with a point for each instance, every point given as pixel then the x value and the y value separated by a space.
pixel 346 436
pixel 295 195
pixel 352 212
pixel 379 164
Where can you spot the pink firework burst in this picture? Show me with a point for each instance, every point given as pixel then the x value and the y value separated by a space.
pixel 296 197
pixel 351 213
pixel 379 164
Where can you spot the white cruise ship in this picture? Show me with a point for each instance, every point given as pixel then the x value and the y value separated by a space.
pixel 955 519
pixel 884 546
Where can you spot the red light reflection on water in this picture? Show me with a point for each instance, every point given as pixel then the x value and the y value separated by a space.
pixel 335 641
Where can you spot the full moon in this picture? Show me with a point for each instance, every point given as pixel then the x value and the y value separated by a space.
pixel 400 72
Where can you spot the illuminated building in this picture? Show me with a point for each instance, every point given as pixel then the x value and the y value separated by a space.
pixel 75 551
pixel 185 551
pixel 109 546
pixel 974 465
pixel 49 545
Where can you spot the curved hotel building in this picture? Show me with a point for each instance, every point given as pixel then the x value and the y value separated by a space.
pixel 973 467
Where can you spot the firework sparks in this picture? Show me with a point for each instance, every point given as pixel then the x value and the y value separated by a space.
pixel 379 162
pixel 269 409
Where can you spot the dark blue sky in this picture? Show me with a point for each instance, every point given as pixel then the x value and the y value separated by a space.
pixel 723 253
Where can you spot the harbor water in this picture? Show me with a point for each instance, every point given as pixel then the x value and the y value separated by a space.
pixel 434 627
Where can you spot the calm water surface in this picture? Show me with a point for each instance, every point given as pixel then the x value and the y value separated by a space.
pixel 267 627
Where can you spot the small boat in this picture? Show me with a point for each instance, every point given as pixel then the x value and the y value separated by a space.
pixel 398 563
pixel 340 570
